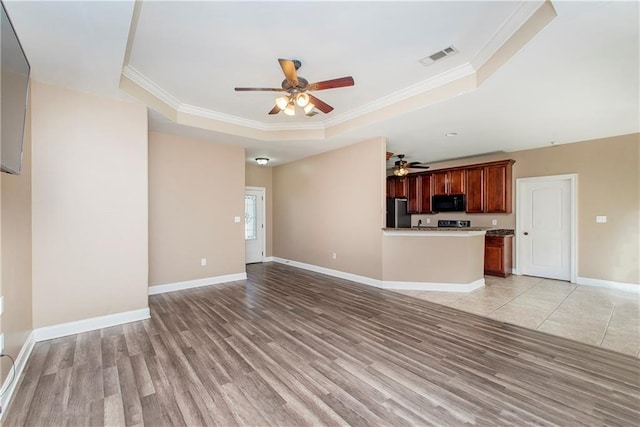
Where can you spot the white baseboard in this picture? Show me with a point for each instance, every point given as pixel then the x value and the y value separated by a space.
pixel 329 272
pixel 11 381
pixel 71 328
pixel 386 284
pixel 178 286
pixel 609 284
pixel 268 259
pixel 434 286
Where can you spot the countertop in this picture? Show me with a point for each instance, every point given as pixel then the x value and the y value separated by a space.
pixel 490 231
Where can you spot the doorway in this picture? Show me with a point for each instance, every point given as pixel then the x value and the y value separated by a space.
pixel 546 227
pixel 254 231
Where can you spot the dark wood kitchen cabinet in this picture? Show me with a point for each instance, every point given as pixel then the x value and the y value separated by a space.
pixel 488 187
pixel 396 186
pixel 419 193
pixel 448 181
pixel 497 255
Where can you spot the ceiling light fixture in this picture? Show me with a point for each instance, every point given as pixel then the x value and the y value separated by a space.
pixel 400 171
pixel 262 160
pixel 288 103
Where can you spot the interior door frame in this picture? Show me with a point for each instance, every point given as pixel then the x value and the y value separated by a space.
pixel 262 230
pixel 573 239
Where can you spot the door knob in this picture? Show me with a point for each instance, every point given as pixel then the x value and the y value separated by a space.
pixel 526 233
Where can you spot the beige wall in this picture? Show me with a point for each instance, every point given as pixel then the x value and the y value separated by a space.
pixel 608 172
pixel 262 176
pixel 15 232
pixel 196 188
pixel 332 202
pixel 433 259
pixel 89 184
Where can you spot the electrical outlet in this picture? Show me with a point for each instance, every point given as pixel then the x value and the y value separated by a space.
pixel 203 262
pixel 494 222
pixel 1 343
pixel 601 219
pixel 428 220
pixel 1 305
pixel 236 219
pixel 334 256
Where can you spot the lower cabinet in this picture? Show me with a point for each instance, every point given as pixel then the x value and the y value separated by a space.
pixel 498 253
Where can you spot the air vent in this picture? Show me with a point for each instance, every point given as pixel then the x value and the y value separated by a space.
pixel 312 113
pixel 437 56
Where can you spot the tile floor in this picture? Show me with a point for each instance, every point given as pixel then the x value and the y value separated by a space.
pixel 597 316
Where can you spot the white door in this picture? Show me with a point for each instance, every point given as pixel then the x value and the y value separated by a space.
pixel 545 219
pixel 254 224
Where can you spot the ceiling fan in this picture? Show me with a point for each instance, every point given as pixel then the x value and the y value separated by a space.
pixel 401 167
pixel 297 90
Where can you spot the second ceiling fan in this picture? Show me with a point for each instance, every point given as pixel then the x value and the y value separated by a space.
pixel 297 90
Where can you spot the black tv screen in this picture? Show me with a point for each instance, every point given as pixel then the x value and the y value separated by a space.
pixel 14 92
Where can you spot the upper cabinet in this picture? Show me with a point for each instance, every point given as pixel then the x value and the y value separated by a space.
pixel 396 186
pixel 449 181
pixel 489 187
pixel 419 193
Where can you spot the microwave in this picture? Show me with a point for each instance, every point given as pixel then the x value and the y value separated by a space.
pixel 448 203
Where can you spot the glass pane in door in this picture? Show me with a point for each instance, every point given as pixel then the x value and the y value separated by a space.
pixel 250 214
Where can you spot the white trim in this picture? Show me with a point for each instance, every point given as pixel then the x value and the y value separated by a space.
pixel 268 259
pixel 188 284
pixel 7 389
pixel 91 324
pixel 263 192
pixel 433 286
pixel 434 233
pixel 388 284
pixel 573 183
pixel 329 272
pixel 610 284
pixel 150 86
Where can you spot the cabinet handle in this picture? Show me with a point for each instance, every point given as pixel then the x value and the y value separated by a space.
pixel 526 233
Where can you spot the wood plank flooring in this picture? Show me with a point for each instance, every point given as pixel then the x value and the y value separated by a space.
pixel 293 348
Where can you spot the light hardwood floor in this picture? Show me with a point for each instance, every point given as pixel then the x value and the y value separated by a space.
pixel 291 348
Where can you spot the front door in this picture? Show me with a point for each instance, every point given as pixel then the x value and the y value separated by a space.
pixel 254 224
pixel 544 226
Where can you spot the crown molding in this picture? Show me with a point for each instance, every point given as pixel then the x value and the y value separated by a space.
pixel 520 16
pixel 240 121
pixel 404 94
pixel 150 86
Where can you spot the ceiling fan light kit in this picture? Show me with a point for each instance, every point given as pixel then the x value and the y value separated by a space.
pixel 297 88
pixel 402 167
pixel 262 160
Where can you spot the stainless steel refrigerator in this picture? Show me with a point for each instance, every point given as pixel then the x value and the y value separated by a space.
pixel 397 216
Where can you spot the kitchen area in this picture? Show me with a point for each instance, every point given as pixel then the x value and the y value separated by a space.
pixel 432 240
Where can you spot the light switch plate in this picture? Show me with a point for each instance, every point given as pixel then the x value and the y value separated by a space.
pixel 601 219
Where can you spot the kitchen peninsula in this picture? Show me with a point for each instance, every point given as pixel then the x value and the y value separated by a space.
pixel 433 259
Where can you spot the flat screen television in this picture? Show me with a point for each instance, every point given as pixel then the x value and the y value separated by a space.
pixel 14 94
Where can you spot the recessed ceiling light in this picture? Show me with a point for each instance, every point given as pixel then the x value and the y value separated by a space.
pixel 451 134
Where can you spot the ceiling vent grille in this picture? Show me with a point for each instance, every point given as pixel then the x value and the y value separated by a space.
pixel 439 55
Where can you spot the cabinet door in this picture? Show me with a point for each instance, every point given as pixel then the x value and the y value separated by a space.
pixel 414 196
pixel 425 188
pixel 475 190
pixel 400 187
pixel 391 187
pixel 493 256
pixel 456 181
pixel 498 189
pixel 440 180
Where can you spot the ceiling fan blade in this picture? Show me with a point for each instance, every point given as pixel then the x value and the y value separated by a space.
pixel 331 84
pixel 418 165
pixel 275 110
pixel 320 105
pixel 289 70
pixel 253 89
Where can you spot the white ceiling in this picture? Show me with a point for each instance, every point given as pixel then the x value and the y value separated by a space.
pixel 577 79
